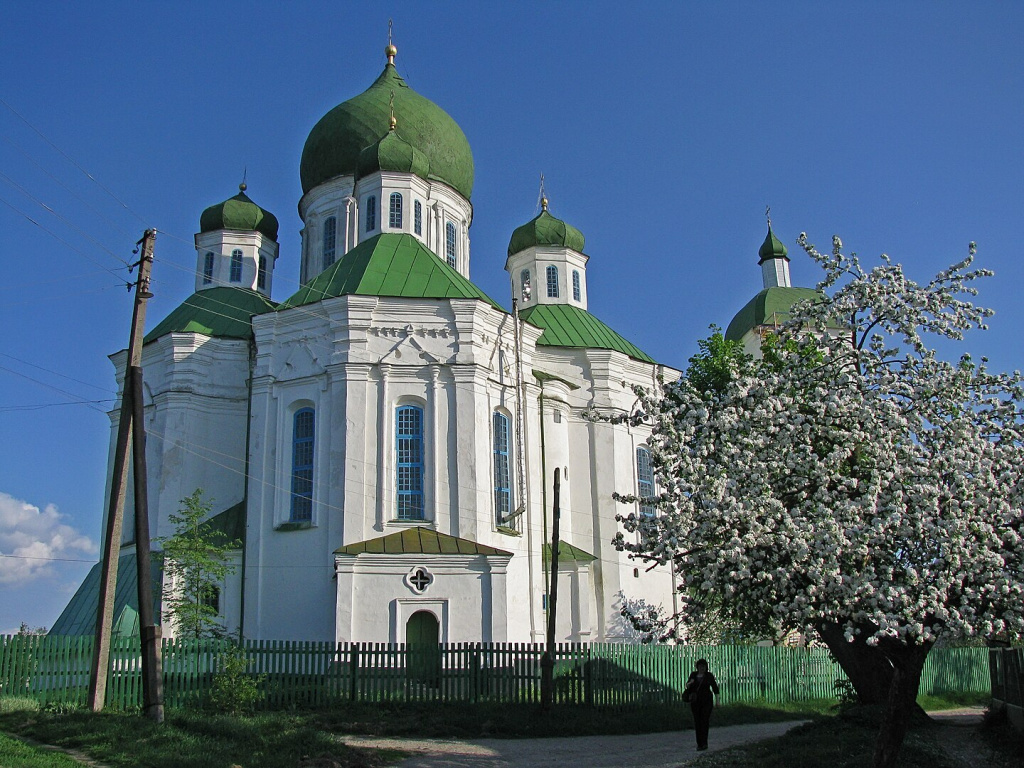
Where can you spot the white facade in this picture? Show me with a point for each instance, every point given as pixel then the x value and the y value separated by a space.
pixel 317 400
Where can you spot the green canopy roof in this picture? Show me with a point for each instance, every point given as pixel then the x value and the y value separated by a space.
pixel 419 541
pixel 770 307
pixel 567 551
pixel 335 142
pixel 389 264
pixel 545 229
pixel 772 248
pixel 569 326
pixel 393 153
pixel 230 523
pixel 239 212
pixel 79 616
pixel 223 311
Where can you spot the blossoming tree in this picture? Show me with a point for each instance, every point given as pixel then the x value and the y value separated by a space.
pixel 850 482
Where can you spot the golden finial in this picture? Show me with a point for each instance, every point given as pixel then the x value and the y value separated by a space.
pixel 390 50
pixel 543 196
pixel 392 105
pixel 768 215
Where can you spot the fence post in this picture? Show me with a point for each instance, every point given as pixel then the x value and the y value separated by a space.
pixel 353 669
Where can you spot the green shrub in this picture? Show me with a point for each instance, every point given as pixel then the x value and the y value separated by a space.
pixel 235 690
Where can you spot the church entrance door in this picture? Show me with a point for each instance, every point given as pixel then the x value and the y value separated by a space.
pixel 424 653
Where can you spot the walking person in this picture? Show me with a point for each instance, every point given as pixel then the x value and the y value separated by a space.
pixel 698 692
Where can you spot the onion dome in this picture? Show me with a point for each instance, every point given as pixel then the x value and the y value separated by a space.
pixel 335 143
pixel 239 212
pixel 545 229
pixel 392 153
pixel 772 248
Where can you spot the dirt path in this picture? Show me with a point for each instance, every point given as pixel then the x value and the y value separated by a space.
pixel 649 750
pixel 958 736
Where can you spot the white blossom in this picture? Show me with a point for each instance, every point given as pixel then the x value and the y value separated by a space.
pixel 850 476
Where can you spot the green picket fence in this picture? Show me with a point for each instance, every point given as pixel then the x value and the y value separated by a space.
pixel 291 673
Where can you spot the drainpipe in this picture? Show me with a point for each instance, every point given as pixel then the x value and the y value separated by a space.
pixel 245 478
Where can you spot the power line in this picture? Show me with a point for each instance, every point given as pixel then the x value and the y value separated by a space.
pixel 61 239
pixel 55 373
pixel 73 162
pixel 53 212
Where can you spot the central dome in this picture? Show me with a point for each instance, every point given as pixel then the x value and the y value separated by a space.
pixel 335 142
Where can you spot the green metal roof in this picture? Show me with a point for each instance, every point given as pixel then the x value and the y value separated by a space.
pixel 222 311
pixel 568 326
pixel 79 616
pixel 545 229
pixel 567 551
pixel 393 153
pixel 335 142
pixel 772 248
pixel 419 541
pixel 770 307
pixel 230 523
pixel 389 264
pixel 239 212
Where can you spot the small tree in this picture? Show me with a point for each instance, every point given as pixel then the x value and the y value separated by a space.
pixel 195 560
pixel 850 483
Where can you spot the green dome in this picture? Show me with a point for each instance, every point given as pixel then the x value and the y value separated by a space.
pixel 545 229
pixel 392 153
pixel 239 212
pixel 335 143
pixel 771 248
pixel 769 307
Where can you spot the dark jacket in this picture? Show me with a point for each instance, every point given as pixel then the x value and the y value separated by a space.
pixel 700 689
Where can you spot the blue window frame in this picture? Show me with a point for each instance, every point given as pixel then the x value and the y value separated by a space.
pixel 417 217
pixel 395 211
pixel 236 266
pixel 330 240
pixel 208 268
pixel 449 243
pixel 303 432
pixel 409 461
pixel 371 213
pixel 644 480
pixel 524 284
pixel 552 273
pixel 576 285
pixel 261 273
pixel 502 476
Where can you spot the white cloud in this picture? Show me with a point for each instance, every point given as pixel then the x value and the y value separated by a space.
pixel 35 540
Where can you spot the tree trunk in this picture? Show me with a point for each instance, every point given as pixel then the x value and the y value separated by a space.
pixel 907 663
pixel 867 667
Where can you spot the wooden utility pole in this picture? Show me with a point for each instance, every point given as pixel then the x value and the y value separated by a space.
pixel 547 662
pixel 119 480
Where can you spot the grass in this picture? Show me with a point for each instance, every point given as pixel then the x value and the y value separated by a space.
pixel 309 739
pixel 17 754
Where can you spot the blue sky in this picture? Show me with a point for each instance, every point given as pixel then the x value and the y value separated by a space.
pixel 663 130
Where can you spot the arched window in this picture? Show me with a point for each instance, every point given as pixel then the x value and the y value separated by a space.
pixel 409 461
pixel 449 243
pixel 644 480
pixel 330 240
pixel 417 217
pixel 552 273
pixel 371 213
pixel 208 268
pixel 576 285
pixel 303 431
pixel 524 285
pixel 261 274
pixel 502 476
pixel 236 266
pixel 395 211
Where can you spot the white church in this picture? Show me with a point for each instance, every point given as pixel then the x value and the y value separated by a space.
pixel 384 442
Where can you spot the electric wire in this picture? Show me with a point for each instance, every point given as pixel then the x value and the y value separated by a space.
pixel 62 240
pixel 53 212
pixel 73 162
